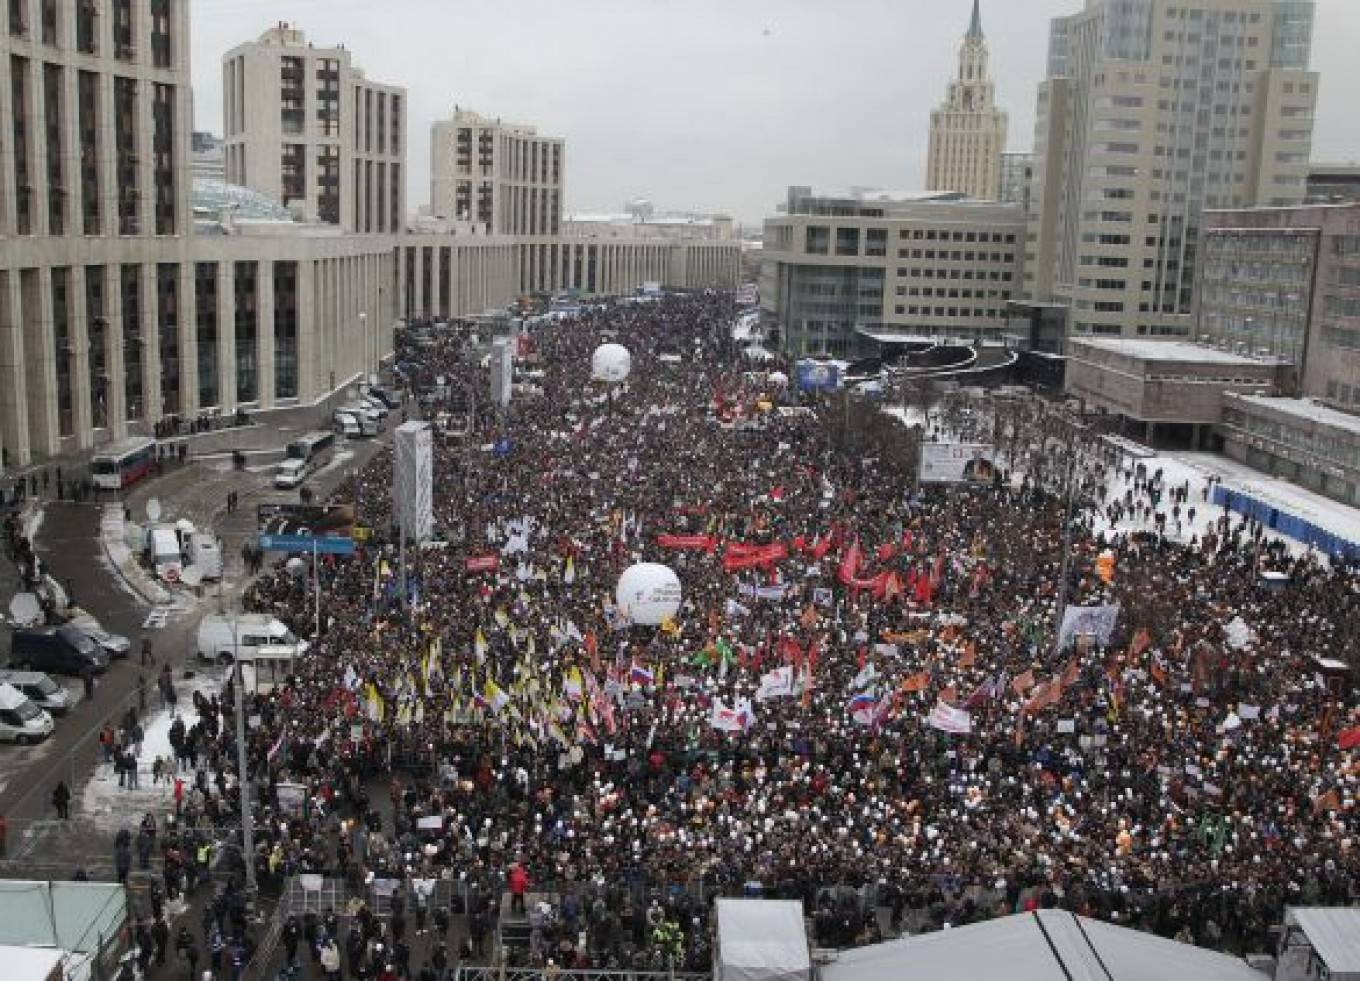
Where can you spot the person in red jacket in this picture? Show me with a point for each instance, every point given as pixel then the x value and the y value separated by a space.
pixel 519 885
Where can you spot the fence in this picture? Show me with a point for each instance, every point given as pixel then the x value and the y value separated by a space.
pixel 503 973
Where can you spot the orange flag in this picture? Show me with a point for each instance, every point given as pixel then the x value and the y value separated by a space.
pixel 1038 700
pixel 969 656
pixel 1073 672
pixel 1022 682
pixel 915 682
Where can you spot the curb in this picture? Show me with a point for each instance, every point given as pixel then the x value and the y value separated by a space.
pixel 111 540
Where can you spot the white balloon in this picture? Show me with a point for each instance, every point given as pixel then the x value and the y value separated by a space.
pixel 611 363
pixel 648 593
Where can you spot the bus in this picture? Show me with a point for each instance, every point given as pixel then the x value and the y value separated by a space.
pixel 122 464
pixel 314 448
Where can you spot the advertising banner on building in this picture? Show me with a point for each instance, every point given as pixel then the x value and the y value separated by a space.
pixel 958 463
pixel 413 488
pixel 324 528
pixel 814 376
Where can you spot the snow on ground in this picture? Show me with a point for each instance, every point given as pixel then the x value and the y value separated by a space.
pixel 33 521
pixel 1197 470
pixel 112 807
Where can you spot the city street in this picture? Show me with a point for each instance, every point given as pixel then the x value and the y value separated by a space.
pixel 67 539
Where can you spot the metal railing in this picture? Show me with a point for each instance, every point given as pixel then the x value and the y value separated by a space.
pixel 505 973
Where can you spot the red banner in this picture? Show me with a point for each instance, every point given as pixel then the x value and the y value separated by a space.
pixel 702 543
pixel 739 557
pixel 483 563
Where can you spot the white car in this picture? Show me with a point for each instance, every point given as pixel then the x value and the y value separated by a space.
pixel 290 473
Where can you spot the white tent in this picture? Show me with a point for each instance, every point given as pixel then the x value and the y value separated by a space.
pixel 1050 945
pixel 1330 935
pixel 761 940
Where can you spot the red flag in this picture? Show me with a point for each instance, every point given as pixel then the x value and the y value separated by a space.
pixel 885 552
pixel 950 695
pixel 1349 738
pixel 483 563
pixel 1072 674
pixel 850 561
pixel 969 656
pixel 1022 682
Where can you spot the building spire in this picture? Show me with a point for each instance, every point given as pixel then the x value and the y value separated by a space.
pixel 975 28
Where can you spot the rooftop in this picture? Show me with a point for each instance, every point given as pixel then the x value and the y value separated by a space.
pixel 1167 351
pixel 1308 409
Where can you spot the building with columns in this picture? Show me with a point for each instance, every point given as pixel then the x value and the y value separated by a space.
pixel 968 131
pixel 304 125
pixel 131 292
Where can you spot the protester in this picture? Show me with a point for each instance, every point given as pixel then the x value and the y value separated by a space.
pixel 860 702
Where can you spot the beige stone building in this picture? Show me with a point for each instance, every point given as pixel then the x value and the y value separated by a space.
pixel 1152 112
pixel 303 125
pixel 131 292
pixel 968 131
pixel 500 175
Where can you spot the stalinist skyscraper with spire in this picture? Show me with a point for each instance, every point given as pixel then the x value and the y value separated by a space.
pixel 968 131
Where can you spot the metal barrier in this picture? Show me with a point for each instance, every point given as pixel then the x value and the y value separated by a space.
pixel 504 973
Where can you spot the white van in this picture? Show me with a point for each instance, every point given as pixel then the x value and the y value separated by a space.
pixel 166 558
pixel 206 555
pixel 39 689
pixel 355 423
pixel 291 473
pixel 224 638
pixel 20 720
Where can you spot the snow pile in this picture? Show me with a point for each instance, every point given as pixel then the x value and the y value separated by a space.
pixel 112 807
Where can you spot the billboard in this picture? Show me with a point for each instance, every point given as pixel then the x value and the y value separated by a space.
pixel 324 528
pixel 958 463
pixel 413 488
pixel 502 370
pixel 814 376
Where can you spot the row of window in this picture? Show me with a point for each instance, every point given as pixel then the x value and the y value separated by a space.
pixel 87 14
pixel 976 313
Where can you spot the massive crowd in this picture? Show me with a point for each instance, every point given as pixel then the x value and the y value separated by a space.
pixel 786 733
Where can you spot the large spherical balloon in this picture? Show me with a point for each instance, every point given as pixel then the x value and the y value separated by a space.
pixel 611 363
pixel 648 593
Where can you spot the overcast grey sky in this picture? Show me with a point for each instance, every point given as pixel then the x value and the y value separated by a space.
pixel 707 105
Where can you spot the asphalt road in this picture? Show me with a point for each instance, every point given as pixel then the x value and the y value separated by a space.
pixel 68 541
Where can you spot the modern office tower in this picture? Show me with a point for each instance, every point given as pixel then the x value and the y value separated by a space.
pixel 968 131
pixel 1152 111
pixel 842 270
pixel 497 174
pixel 304 126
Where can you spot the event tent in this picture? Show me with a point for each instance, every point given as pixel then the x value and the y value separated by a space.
pixel 761 940
pixel 1050 945
pixel 1320 936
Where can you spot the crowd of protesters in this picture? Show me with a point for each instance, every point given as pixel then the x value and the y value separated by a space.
pixel 489 722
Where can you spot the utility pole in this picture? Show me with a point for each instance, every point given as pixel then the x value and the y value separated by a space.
pixel 247 819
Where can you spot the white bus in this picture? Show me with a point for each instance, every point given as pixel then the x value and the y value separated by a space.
pixel 123 464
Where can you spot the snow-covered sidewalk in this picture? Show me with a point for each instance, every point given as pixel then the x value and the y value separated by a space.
pixel 112 807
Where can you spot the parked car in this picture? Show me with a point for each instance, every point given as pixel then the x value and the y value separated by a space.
pixel 39 689
pixel 115 645
pixel 385 397
pixel 20 720
pixel 225 638
pixel 56 650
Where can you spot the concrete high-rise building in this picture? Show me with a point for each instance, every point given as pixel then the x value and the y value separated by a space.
pixel 968 131
pixel 304 126
pixel 1152 111
pixel 497 174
